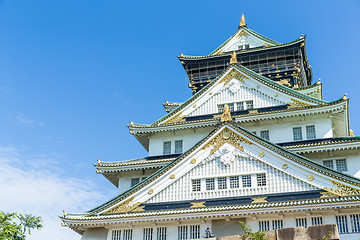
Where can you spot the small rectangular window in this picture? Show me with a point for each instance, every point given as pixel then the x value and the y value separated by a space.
pixel 355 222
pixel 310 132
pixel 231 107
pixel 134 181
pixel 167 147
pixel 116 235
pixel 210 184
pixel 297 133
pixel 234 182
pixel 127 234
pixel 264 226
pixel 301 222
pixel 247 46
pixel 277 224
pixel 316 221
pixel 148 234
pixel 222 183
pixel 221 108
pixel 261 179
pixel 178 146
pixel 341 165
pixel 239 106
pixel 161 233
pixel 182 232
pixel 341 222
pixel 196 185
pixel 265 134
pixel 249 105
pixel 194 231
pixel 328 163
pixel 246 181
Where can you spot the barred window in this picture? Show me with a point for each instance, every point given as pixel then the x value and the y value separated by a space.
pixel 194 231
pixel 221 108
pixel 116 235
pixel 341 222
pixel 246 180
pixel 264 226
pixel 196 185
pixel 316 221
pixel 328 163
pixel 239 106
pixel 276 224
pixel 231 107
pixel 301 222
pixel 234 182
pixel 161 233
pixel 297 133
pixel 355 222
pixel 167 147
pixel 310 132
pixel 210 184
pixel 127 234
pixel 249 105
pixel 134 181
pixel 148 234
pixel 261 179
pixel 178 146
pixel 341 165
pixel 222 183
pixel 182 232
pixel 265 134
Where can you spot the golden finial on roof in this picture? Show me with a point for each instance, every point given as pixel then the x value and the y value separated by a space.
pixel 98 160
pixel 131 123
pixel 233 58
pixel 302 36
pixel 352 133
pixel 226 116
pixel 344 97
pixel 64 213
pixel 318 82
pixel 242 21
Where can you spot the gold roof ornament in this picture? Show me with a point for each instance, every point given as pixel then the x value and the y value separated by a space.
pixel 242 21
pixel 318 82
pixel 226 116
pixel 233 58
pixel 302 36
pixel 98 161
pixel 344 97
pixel 352 133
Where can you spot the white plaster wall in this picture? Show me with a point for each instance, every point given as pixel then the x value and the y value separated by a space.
pixel 125 178
pixel 283 132
pixel 95 234
pixel 190 138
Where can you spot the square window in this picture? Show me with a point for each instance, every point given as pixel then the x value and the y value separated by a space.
pixel 264 226
pixel 182 232
pixel 246 180
pixel 178 146
pixel 239 106
pixel 210 184
pixel 231 107
pixel 222 183
pixel 265 134
pixel 261 179
pixel 127 234
pixel 249 105
pixel 316 221
pixel 221 108
pixel 167 147
pixel 341 165
pixel 355 222
pixel 276 224
pixel 297 134
pixel 234 182
pixel 194 231
pixel 310 132
pixel 161 233
pixel 116 235
pixel 134 181
pixel 328 163
pixel 148 234
pixel 196 185
pixel 341 222
pixel 301 222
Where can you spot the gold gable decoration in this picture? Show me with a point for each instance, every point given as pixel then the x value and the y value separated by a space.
pixel 225 116
pixel 125 207
pixel 297 104
pixel 226 136
pixel 342 190
pixel 177 118
pixel 231 75
pixel 233 58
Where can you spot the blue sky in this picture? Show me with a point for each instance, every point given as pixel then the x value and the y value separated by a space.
pixel 74 72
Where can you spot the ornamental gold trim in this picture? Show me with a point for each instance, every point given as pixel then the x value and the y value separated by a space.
pixel 285 166
pixel 297 104
pixel 197 204
pixel 151 191
pixel 342 190
pixel 172 176
pixel 259 200
pixel 261 154
pixel 124 207
pixel 176 119
pixel 310 178
pixel 231 75
pixel 193 161
pixel 226 136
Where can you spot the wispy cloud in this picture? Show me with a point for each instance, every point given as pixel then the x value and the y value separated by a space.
pixel 21 119
pixel 43 192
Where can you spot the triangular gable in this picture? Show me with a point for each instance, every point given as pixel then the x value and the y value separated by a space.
pixel 244 36
pixel 303 169
pixel 273 92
